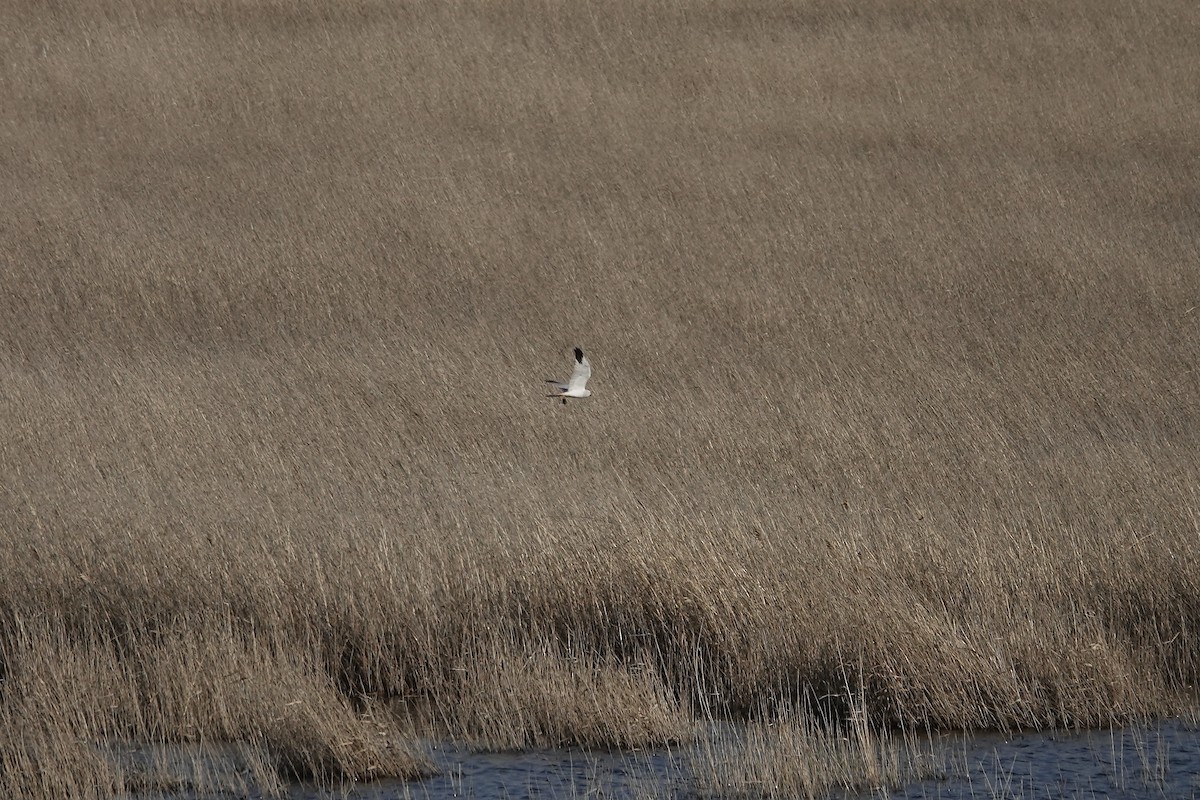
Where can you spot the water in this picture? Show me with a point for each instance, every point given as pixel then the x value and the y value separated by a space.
pixel 550 774
pixel 1138 763
pixel 193 772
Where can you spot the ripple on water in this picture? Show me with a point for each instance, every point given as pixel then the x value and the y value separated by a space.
pixel 1135 763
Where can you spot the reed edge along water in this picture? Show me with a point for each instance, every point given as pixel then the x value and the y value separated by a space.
pixel 893 314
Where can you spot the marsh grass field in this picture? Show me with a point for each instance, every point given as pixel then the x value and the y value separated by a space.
pixel 893 312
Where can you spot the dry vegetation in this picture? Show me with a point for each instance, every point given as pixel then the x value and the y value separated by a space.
pixel 893 312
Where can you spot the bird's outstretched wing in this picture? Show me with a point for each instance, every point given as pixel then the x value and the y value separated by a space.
pixel 583 371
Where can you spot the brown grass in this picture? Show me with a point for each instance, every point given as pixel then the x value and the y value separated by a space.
pixel 796 753
pixel 893 313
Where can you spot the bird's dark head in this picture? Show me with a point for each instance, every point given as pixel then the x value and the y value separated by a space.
pixel 578 355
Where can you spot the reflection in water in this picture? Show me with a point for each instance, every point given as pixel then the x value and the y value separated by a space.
pixel 550 774
pixel 1159 762
pixel 1133 763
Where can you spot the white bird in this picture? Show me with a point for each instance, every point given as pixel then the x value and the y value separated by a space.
pixel 579 379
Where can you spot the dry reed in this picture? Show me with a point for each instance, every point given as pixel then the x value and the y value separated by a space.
pixel 893 313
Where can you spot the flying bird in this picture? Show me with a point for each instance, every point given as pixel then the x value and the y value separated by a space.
pixel 579 379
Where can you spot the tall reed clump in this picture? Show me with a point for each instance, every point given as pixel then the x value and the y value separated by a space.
pixel 893 319
pixel 796 752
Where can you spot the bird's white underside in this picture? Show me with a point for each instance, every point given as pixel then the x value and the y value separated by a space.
pixel 575 387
